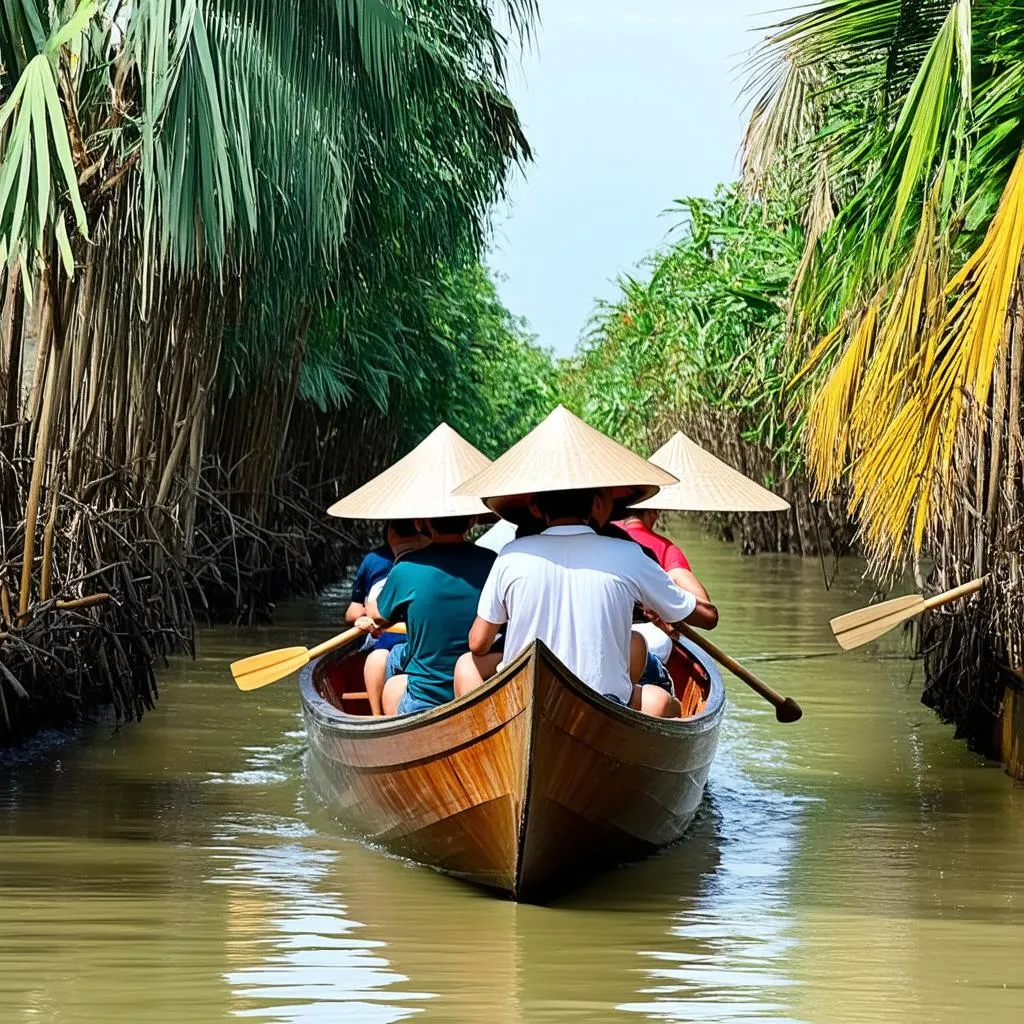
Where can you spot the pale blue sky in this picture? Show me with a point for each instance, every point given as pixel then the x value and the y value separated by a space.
pixel 629 104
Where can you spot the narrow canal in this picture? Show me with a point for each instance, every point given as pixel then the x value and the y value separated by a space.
pixel 860 866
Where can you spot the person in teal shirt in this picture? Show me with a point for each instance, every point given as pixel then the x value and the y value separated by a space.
pixel 435 591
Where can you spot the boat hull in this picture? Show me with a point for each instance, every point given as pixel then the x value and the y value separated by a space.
pixel 525 785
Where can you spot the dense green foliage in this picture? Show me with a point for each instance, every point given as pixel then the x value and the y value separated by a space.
pixel 448 350
pixel 699 344
pixel 492 382
pixel 420 185
pixel 704 333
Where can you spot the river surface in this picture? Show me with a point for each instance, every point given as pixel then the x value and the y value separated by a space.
pixel 859 866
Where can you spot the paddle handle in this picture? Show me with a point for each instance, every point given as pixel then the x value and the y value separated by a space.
pixel 786 709
pixel 757 685
pixel 349 635
pixel 335 642
pixel 951 595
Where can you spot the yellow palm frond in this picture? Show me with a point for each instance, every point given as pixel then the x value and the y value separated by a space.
pixel 828 415
pixel 899 479
pixel 818 353
pixel 912 312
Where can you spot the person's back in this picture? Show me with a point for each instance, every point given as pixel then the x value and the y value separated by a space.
pixel 374 567
pixel 666 551
pixel 401 537
pixel 639 525
pixel 435 591
pixel 575 591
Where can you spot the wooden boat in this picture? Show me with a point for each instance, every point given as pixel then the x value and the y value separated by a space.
pixel 525 785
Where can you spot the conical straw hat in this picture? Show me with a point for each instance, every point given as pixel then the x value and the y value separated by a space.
pixel 563 453
pixel 420 485
pixel 706 484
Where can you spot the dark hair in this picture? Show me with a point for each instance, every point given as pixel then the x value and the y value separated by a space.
pixel 451 524
pixel 529 526
pixel 572 504
pixel 402 527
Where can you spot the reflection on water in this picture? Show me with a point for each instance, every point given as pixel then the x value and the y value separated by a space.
pixel 733 963
pixel 293 952
pixel 860 866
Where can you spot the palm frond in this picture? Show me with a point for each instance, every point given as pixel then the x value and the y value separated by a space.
pixel 785 116
pixel 904 471
pixel 828 445
pixel 34 138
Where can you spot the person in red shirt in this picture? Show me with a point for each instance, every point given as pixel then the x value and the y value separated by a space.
pixel 651 648
pixel 640 524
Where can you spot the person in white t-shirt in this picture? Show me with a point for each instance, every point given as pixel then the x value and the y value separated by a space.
pixel 575 590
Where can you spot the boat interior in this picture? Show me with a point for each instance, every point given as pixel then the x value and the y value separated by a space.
pixel 339 680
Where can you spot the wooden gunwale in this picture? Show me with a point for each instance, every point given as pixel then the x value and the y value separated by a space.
pixel 344 724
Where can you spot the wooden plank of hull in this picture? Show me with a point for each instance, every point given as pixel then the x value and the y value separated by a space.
pixel 605 784
pixel 522 785
pixel 447 793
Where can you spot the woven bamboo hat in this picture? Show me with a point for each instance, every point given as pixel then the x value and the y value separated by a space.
pixel 563 453
pixel 420 485
pixel 706 484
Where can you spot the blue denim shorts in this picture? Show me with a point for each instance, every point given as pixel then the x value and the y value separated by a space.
pixel 384 642
pixel 409 705
pixel 656 674
pixel 396 659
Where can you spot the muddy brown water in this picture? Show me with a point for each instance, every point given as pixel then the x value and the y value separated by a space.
pixel 860 866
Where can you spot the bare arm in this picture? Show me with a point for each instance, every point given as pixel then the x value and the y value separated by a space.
pixel 354 611
pixel 374 612
pixel 705 615
pixel 685 580
pixel 481 636
pixel 669 601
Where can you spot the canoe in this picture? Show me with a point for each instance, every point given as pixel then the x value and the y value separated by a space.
pixel 526 785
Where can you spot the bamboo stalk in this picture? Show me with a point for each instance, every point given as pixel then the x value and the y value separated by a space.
pixel 1014 440
pixel 979 499
pixel 41 313
pixel 46 574
pixel 59 303
pixel 81 342
pixel 183 436
pixel 35 488
pixel 996 463
pixel 14 343
pixel 88 601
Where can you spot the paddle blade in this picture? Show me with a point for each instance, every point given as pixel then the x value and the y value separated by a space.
pixel 866 624
pixel 264 660
pixel 269 667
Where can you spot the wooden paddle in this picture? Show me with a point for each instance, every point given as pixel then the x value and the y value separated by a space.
pixel 866 624
pixel 786 709
pixel 263 669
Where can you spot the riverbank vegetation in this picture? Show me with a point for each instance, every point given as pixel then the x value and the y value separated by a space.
pixel 900 129
pixel 698 343
pixel 241 250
